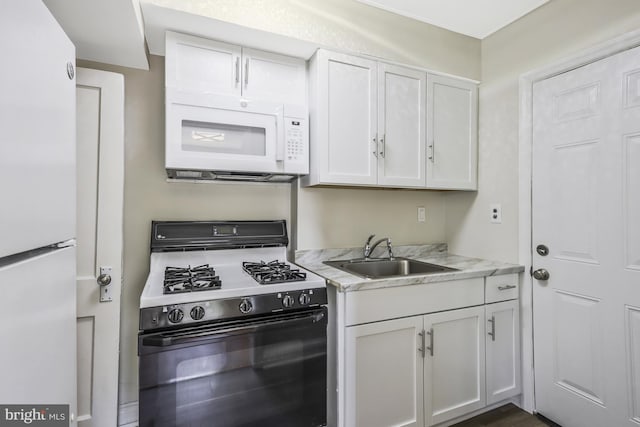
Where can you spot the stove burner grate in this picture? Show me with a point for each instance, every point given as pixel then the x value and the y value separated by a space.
pixel 190 279
pixel 267 273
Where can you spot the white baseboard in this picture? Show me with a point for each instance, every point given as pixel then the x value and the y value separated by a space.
pixel 128 415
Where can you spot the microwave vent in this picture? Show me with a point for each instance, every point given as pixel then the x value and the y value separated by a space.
pixel 181 174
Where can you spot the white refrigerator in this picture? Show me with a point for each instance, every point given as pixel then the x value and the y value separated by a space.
pixel 37 208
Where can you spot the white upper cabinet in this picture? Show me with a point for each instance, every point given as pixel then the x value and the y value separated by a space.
pixel 367 122
pixel 401 126
pixel 452 133
pixel 273 77
pixel 201 65
pixel 384 125
pixel 343 120
pixel 194 64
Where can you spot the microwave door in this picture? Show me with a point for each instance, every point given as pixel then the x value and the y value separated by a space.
pixel 224 139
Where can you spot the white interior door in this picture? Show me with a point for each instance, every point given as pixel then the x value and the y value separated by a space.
pixel 586 210
pixel 100 155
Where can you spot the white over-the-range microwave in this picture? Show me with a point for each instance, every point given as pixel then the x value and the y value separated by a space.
pixel 228 138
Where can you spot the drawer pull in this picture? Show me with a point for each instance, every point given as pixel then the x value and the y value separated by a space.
pixel 507 287
pixel 430 348
pixel 492 334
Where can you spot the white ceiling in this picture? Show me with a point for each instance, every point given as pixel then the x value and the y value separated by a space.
pixel 112 31
pixel 475 18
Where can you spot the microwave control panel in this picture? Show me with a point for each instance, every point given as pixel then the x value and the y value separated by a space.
pixel 297 141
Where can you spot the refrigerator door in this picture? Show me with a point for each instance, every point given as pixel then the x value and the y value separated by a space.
pixel 37 129
pixel 38 330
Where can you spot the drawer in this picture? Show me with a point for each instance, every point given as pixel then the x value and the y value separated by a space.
pixel 501 288
pixel 373 305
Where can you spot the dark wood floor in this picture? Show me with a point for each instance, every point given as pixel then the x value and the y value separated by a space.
pixel 507 416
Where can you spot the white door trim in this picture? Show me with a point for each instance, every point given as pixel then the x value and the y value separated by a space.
pixel 102 363
pixel 587 56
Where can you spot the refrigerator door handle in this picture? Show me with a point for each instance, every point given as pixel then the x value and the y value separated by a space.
pixel 66 244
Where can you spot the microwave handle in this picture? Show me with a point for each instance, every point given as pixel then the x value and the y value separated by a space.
pixel 280 135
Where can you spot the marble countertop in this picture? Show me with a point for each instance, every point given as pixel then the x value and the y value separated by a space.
pixel 434 253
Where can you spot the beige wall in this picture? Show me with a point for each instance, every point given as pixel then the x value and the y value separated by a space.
pixel 348 25
pixel 326 217
pixel 339 218
pixel 344 217
pixel 331 218
pixel 149 196
pixel 556 30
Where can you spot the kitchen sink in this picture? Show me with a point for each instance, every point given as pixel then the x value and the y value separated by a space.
pixel 381 268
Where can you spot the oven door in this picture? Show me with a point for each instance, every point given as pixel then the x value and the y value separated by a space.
pixel 213 132
pixel 267 371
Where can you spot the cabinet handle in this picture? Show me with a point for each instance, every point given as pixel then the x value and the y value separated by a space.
pixel 246 72
pixel 430 348
pixel 492 334
pixel 422 343
pixel 237 70
pixel 507 287
pixel 382 150
pixel 433 152
pixel 375 148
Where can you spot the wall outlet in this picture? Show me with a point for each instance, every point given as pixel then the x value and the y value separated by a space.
pixel 496 213
pixel 422 214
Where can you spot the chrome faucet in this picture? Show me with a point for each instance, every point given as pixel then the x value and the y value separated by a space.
pixel 368 247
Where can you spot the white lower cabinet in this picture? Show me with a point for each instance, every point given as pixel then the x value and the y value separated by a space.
pixel 384 374
pixel 415 371
pixel 427 369
pixel 503 351
pixel 454 364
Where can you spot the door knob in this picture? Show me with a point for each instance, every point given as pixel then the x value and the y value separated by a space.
pixel 541 274
pixel 104 279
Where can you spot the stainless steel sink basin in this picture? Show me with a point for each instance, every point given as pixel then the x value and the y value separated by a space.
pixel 381 268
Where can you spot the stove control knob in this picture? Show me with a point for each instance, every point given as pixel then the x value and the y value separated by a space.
pixel 287 301
pixel 304 299
pixel 245 306
pixel 197 312
pixel 175 315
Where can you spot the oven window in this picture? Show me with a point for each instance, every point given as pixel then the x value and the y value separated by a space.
pixel 270 375
pixel 223 138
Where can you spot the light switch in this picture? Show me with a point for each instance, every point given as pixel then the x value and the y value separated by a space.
pixel 422 214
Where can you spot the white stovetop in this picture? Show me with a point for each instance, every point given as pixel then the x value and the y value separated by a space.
pixel 228 265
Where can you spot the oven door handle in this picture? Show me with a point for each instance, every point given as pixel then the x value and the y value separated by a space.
pixel 207 333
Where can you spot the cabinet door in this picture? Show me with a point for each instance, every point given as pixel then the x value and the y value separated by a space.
pixel 384 374
pixel 401 130
pixel 452 133
pixel 503 351
pixel 201 65
pixel 454 364
pixel 344 131
pixel 272 77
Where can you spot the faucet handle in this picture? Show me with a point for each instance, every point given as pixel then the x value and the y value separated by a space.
pixel 366 251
